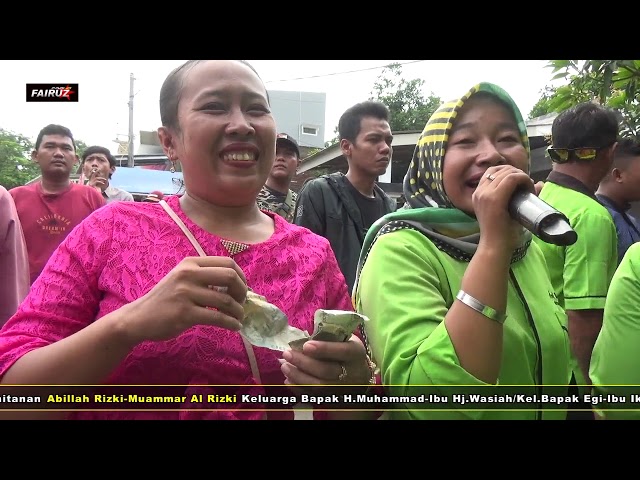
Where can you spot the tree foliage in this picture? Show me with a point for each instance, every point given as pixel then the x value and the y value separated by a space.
pixel 409 108
pixel 80 147
pixel 613 83
pixel 16 166
pixel 543 106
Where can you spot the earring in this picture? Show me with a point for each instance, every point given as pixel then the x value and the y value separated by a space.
pixel 172 169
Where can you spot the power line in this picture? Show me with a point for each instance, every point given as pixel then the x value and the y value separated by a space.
pixel 340 73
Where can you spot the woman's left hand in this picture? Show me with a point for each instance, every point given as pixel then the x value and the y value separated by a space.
pixel 327 363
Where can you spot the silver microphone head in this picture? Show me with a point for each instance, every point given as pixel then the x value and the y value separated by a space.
pixel 541 219
pixel 554 228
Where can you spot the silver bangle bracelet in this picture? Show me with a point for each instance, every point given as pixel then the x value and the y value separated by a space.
pixel 481 308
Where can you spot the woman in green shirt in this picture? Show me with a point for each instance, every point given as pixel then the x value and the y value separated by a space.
pixel 437 278
pixel 615 359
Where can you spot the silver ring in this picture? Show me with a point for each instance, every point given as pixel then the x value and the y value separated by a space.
pixel 342 375
pixel 490 177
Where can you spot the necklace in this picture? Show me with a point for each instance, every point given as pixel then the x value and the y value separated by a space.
pixel 234 248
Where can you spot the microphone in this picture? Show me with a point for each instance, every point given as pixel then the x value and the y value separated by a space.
pixel 541 219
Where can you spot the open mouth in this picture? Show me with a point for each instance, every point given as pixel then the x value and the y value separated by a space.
pixel 474 180
pixel 239 157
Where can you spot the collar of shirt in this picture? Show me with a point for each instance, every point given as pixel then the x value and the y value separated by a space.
pixel 109 192
pixel 573 183
pixel 608 202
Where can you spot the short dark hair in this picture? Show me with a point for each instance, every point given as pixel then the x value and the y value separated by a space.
pixel 585 125
pixel 171 91
pixel 98 149
pixel 53 129
pixel 628 149
pixel 351 120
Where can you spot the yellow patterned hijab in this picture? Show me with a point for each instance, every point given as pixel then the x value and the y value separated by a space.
pixel 423 185
pixel 428 207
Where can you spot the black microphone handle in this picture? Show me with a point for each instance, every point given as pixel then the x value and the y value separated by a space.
pixel 541 219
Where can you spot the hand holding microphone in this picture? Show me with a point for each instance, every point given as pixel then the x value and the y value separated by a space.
pixel 507 188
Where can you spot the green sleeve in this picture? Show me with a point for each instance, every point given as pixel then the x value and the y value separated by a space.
pixel 405 294
pixel 590 262
pixel 616 358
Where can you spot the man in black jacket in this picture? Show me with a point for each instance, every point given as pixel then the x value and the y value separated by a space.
pixel 341 207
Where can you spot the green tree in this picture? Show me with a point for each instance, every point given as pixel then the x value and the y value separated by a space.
pixel 16 166
pixel 613 83
pixel 80 147
pixel 543 106
pixel 409 107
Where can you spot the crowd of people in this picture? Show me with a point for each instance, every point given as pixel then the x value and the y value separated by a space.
pixel 102 290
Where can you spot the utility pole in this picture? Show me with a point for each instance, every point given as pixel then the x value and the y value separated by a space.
pixel 130 147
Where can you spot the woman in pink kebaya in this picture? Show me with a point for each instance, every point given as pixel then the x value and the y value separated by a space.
pixel 126 298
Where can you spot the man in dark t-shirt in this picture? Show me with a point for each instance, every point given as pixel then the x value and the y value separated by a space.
pixel 371 208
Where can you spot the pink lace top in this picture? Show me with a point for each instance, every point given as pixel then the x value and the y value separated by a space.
pixel 122 250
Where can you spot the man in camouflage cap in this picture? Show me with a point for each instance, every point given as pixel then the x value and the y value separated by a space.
pixel 276 196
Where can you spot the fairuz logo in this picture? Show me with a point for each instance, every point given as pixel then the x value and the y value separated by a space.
pixel 54 92
pixel 50 92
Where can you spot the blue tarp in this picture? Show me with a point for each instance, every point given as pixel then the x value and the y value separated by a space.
pixel 144 180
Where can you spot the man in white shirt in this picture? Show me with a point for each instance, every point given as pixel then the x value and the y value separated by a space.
pixel 98 165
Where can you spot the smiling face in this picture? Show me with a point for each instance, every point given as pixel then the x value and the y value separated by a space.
pixel 225 136
pixel 484 134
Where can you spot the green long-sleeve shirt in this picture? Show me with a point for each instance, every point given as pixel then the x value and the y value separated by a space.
pixel 406 288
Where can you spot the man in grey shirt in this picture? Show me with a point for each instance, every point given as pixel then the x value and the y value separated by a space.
pixel 98 165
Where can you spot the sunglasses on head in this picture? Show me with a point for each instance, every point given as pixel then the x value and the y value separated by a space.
pixel 562 155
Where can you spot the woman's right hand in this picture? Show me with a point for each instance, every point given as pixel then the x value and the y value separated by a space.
pixel 491 201
pixel 198 291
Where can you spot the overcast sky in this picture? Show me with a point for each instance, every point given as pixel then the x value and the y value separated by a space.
pixel 102 112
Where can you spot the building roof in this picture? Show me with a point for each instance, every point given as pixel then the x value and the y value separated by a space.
pixel 541 126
